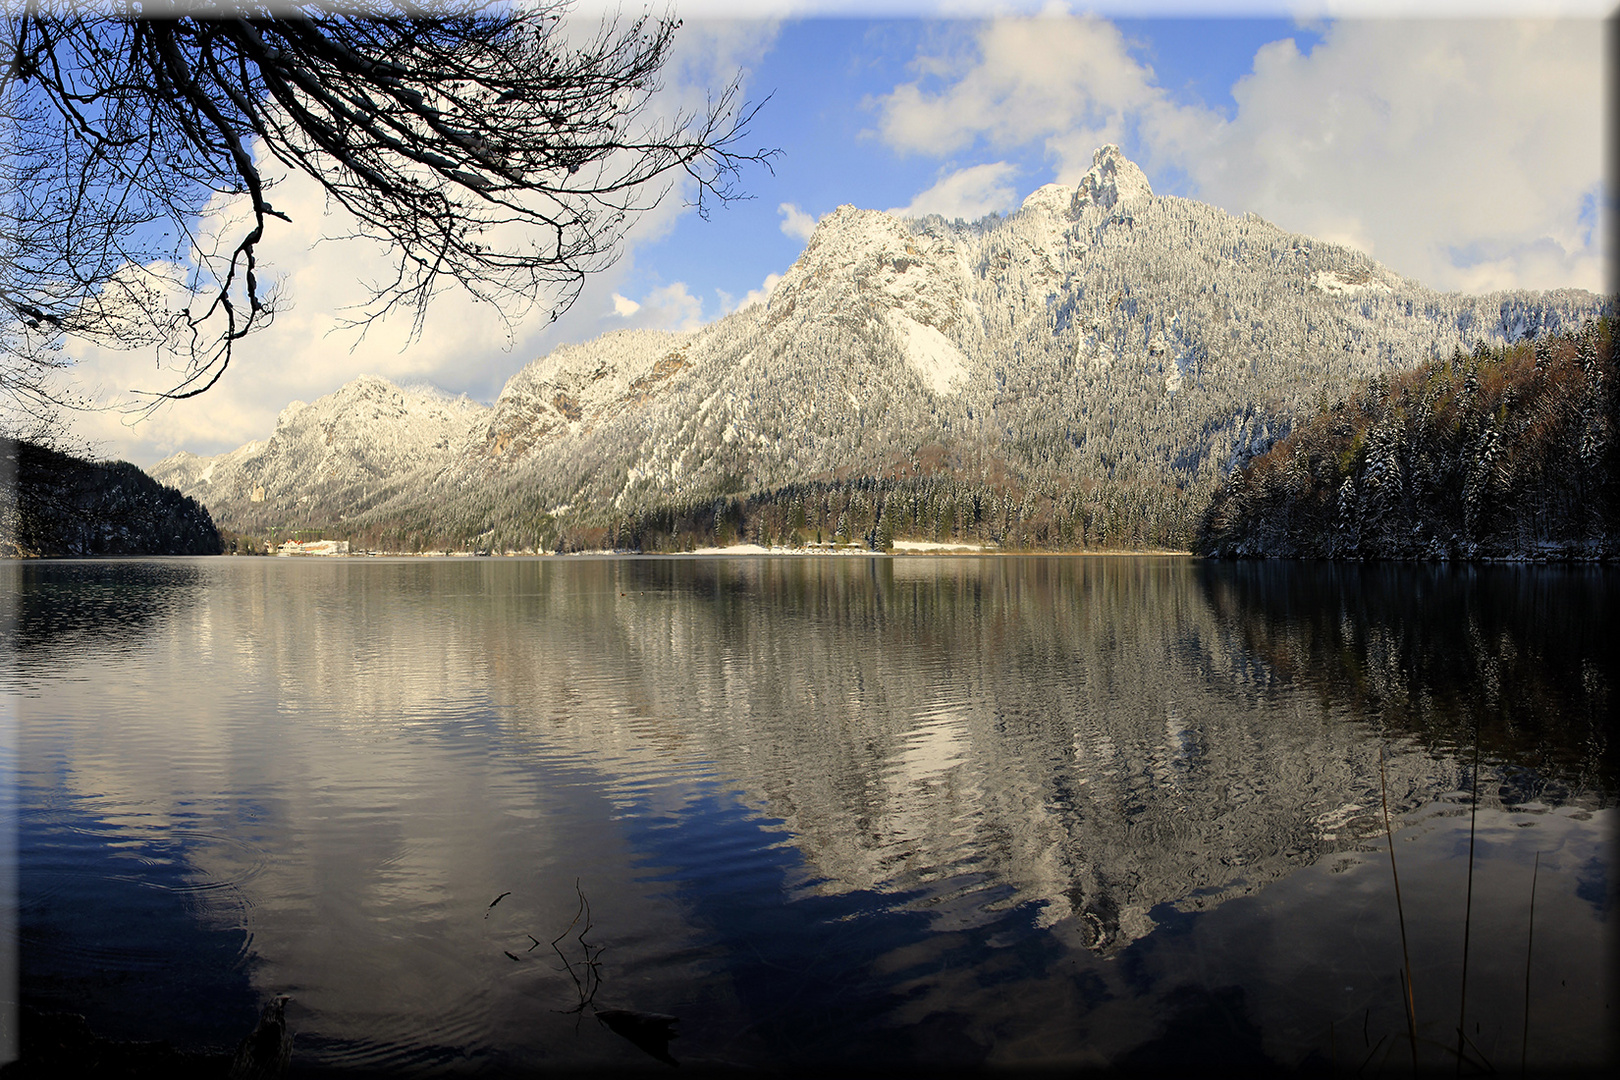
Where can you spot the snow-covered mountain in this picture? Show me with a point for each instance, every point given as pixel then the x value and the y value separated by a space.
pixel 570 391
pixel 1102 342
pixel 342 453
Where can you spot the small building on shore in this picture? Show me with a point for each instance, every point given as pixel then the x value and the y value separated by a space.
pixel 314 547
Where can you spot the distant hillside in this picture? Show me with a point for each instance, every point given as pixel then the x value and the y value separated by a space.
pixel 1084 372
pixel 63 505
pixel 332 459
pixel 1506 453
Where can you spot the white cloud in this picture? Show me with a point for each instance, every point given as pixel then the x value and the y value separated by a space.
pixel 968 193
pixel 729 303
pixel 304 352
pixel 669 307
pixel 1067 82
pixel 796 222
pixel 1459 152
pixel 761 294
pixel 624 307
pixel 1464 153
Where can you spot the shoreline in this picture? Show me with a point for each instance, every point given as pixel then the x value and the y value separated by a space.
pixel 901 550
pixel 751 551
pixel 755 551
pixel 736 551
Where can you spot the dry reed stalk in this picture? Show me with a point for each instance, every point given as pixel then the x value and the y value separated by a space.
pixel 1400 911
pixel 1468 905
pixel 1524 1039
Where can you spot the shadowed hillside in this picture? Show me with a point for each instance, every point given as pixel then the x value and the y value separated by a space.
pixel 63 505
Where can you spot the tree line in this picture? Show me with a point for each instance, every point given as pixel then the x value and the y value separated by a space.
pixel 1508 452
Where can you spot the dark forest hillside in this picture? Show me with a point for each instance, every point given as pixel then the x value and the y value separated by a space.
pixel 1508 453
pixel 57 504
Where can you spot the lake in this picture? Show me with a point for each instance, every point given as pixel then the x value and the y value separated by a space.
pixel 827 811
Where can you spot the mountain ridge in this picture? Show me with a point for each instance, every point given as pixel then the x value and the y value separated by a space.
pixel 1101 343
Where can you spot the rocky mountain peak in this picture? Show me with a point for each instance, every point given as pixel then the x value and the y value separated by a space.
pixel 353 441
pixel 869 258
pixel 1113 179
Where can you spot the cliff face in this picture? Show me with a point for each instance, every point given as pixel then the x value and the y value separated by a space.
pixel 569 392
pixel 1512 453
pixel 61 505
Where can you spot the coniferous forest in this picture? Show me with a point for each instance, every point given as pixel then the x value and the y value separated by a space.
pixel 64 505
pixel 1505 453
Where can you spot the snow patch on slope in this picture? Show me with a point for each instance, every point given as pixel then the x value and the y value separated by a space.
pixel 1348 283
pixel 940 363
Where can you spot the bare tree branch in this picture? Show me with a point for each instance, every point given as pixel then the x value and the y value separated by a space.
pixel 486 150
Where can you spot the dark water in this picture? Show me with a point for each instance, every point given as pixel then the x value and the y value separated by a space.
pixel 827 811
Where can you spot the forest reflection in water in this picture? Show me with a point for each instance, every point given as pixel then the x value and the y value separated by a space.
pixel 1090 810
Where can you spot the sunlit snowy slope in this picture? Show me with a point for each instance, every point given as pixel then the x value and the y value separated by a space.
pixel 1101 341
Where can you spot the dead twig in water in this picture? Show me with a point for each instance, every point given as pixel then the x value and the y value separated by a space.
pixel 591 963
pixel 1368 1059
pixel 1468 906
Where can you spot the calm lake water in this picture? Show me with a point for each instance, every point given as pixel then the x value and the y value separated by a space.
pixel 826 811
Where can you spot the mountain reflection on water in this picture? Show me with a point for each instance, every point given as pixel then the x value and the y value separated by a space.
pixel 825 809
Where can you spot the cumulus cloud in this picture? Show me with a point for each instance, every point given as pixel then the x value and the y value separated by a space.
pixel 668 307
pixel 796 222
pixel 968 193
pixel 624 307
pixel 761 294
pixel 1464 153
pixel 729 303
pixel 303 353
pixel 1067 82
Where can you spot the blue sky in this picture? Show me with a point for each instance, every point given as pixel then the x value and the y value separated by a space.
pixel 1466 153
